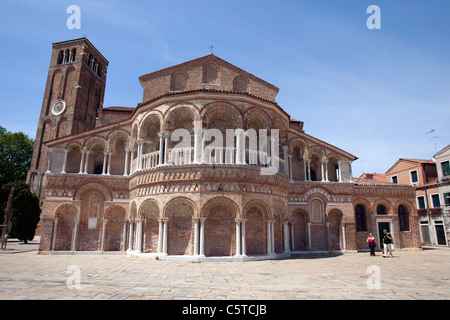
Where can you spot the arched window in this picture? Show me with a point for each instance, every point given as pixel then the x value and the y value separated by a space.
pixel 240 84
pixel 179 81
pixel 60 57
pixel 210 74
pixel 360 218
pixel 381 209
pixel 403 218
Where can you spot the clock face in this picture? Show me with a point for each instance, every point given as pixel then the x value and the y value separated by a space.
pixel 58 107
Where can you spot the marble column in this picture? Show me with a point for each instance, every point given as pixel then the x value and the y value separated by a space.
pixel 309 235
pixel 55 228
pixel 238 236
pixel 66 151
pixel 75 234
pixel 160 235
pixel 127 154
pixel 165 231
pixel 82 161
pixel 105 221
pixel 108 171
pixel 131 236
pixel 202 237
pixel 105 159
pixel 243 245
pixel 286 236
pixel 196 235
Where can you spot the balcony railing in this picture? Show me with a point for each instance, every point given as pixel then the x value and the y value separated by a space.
pixel 210 156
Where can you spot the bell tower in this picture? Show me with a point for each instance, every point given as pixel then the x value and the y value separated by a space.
pixel 73 97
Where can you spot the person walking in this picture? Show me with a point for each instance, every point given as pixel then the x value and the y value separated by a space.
pixel 387 243
pixel 371 241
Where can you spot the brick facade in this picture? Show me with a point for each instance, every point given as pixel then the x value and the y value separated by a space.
pixel 128 186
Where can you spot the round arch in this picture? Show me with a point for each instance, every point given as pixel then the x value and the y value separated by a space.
pixel 220 226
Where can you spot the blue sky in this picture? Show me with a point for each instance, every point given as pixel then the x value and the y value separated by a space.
pixel 373 93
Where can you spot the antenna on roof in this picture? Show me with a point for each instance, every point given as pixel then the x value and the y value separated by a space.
pixel 434 138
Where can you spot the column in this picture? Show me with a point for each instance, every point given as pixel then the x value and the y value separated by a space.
pixel 196 238
pixel 286 236
pixel 86 161
pixel 322 170
pixel 50 160
pixel 130 236
pixel 75 234
pixel 125 169
pixel 105 155
pixel 304 170
pixel 328 236
pixel 108 172
pixel 131 161
pixel 344 241
pixel 290 166
pixel 124 236
pixel 239 146
pixel 105 221
pixel 138 240
pixel 309 235
pixel 292 236
pixel 66 151
pixel 82 161
pixel 272 236
pixel 197 151
pixel 55 227
pixel 269 236
pixel 340 171
pixel 166 147
pixel 243 248
pixel 238 236
pixel 308 161
pixel 326 171
pixel 165 236
pixel 203 153
pixel 161 148
pixel 202 237
pixel 160 235
pixel 140 143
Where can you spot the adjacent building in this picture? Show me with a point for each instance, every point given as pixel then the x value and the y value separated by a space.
pixel 423 176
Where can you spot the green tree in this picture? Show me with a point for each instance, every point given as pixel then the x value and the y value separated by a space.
pixel 26 211
pixel 16 149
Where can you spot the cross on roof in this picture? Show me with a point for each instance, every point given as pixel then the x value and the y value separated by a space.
pixel 211 47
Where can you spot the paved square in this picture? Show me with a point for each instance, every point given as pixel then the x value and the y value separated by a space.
pixel 408 275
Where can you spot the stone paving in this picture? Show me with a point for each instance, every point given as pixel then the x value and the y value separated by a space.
pixel 408 275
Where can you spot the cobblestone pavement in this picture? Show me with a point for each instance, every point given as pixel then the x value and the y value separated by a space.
pixel 408 275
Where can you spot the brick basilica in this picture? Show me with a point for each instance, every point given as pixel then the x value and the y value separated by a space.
pixel 119 178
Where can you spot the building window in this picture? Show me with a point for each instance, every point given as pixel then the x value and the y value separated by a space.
pixel 445 168
pixel 394 179
pixel 447 199
pixel 381 209
pixel 414 177
pixel 403 218
pixel 435 200
pixel 360 218
pixel 421 202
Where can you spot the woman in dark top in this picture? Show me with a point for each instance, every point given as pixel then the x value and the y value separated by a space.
pixel 371 241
